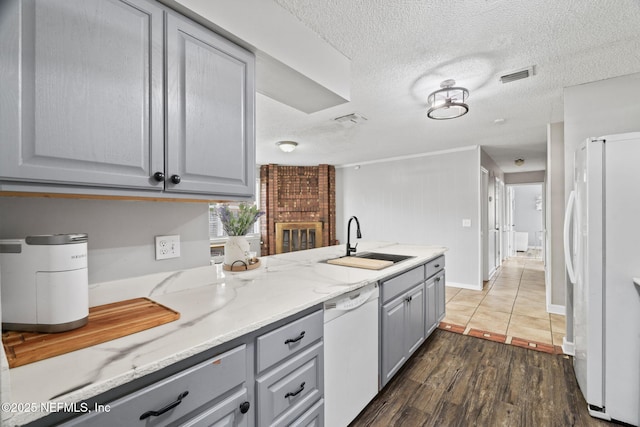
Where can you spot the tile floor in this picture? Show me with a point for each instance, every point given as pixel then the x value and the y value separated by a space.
pixel 512 304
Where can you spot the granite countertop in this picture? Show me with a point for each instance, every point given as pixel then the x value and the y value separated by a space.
pixel 215 307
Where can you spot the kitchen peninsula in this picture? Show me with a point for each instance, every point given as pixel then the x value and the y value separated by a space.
pixel 215 308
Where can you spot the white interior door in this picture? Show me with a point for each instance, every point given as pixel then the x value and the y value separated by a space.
pixel 484 209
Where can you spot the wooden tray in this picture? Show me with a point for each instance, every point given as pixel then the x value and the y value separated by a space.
pixel 240 266
pixel 106 322
pixel 351 261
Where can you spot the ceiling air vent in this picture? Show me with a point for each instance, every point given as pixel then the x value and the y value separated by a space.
pixel 351 119
pixel 525 73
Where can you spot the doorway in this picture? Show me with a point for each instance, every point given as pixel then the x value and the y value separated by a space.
pixel 527 220
pixel 491 217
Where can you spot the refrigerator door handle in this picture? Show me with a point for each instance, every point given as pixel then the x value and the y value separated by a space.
pixel 568 215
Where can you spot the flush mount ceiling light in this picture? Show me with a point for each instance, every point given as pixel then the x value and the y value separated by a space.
pixel 519 162
pixel 448 102
pixel 287 146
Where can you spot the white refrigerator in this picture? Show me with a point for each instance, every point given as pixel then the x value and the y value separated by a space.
pixel 602 251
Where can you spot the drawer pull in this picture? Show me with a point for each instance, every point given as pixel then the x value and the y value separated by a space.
pixel 295 393
pixel 296 339
pixel 437 265
pixel 166 408
pixel 244 407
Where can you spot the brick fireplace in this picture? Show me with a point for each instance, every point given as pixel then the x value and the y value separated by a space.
pixel 300 207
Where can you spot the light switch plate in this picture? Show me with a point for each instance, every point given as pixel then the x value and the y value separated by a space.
pixel 167 247
pixel 466 223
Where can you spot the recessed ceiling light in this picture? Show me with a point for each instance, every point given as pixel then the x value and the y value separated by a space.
pixel 519 162
pixel 498 121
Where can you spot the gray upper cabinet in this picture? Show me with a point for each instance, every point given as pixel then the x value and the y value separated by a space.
pixel 82 92
pixel 124 95
pixel 210 105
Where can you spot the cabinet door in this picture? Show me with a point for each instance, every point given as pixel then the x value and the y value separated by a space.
pixel 440 296
pixel 432 306
pixel 393 338
pixel 415 318
pixel 210 107
pixel 82 92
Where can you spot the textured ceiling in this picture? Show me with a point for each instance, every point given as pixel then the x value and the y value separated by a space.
pixel 402 49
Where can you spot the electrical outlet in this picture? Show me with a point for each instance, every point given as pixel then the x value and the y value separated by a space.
pixel 167 247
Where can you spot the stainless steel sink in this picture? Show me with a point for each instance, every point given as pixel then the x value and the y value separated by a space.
pixel 383 257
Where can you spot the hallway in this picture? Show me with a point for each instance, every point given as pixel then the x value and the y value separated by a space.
pixel 511 308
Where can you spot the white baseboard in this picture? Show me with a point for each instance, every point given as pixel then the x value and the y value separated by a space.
pixel 464 286
pixel 556 309
pixel 568 347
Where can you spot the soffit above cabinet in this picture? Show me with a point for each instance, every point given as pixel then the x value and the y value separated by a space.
pixel 293 64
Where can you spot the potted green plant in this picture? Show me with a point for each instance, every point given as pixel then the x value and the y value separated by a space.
pixel 236 224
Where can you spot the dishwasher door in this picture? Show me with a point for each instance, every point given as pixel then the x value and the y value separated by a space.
pixel 350 354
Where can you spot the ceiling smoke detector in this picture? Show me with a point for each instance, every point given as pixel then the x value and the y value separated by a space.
pixel 524 73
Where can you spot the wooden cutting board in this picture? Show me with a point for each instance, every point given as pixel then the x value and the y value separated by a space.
pixel 371 264
pixel 106 322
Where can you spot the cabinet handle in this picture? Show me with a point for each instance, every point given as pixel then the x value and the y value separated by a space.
pixel 176 179
pixel 244 407
pixel 409 298
pixel 295 393
pixel 166 408
pixel 298 338
pixel 158 176
pixel 437 265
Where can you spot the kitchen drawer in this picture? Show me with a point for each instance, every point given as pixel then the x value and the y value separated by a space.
pixel 435 265
pixel 401 283
pixel 288 340
pixel 224 414
pixel 289 390
pixel 314 417
pixel 203 383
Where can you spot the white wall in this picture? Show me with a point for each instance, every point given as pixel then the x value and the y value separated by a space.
pixel 121 233
pixel 525 216
pixel 555 270
pixel 596 109
pixel 419 200
pixel 524 177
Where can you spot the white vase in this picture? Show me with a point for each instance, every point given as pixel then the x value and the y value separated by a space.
pixel 236 249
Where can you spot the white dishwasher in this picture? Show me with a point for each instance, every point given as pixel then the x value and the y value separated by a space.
pixel 350 354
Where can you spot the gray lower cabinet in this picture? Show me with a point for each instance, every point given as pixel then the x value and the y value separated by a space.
pixel 213 392
pixel 440 295
pixel 412 305
pixel 290 376
pixel 431 317
pixel 403 330
pixel 84 103
pixel 314 417
pixel 436 275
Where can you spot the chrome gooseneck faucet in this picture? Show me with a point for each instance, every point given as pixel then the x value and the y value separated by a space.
pixel 350 249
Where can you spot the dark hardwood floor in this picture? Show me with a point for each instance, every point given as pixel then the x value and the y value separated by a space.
pixel 458 380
